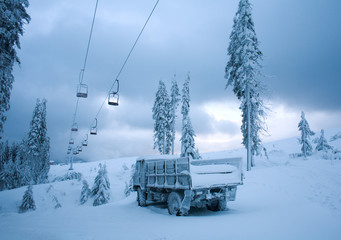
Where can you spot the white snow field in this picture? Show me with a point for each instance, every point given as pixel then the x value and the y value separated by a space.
pixel 282 198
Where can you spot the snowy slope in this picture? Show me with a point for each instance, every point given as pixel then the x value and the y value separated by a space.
pixel 282 198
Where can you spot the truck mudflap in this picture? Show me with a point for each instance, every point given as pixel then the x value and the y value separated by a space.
pixel 186 202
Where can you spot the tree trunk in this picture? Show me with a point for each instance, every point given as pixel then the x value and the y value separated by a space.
pixel 248 146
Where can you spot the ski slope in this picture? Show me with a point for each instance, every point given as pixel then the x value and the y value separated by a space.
pixel 282 198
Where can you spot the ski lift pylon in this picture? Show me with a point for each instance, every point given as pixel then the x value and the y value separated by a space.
pixel 93 130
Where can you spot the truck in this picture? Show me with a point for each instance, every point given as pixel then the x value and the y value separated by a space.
pixel 183 182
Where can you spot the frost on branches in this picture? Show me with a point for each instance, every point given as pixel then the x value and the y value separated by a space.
pixel 85 192
pixel 37 144
pixel 101 188
pixel 162 134
pixel 241 73
pixel 322 144
pixel 174 102
pixel 13 15
pixel 303 126
pixel 187 138
pixel 27 200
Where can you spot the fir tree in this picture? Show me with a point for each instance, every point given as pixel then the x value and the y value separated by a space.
pixel 188 134
pixel 85 192
pixel 173 106
pixel 322 144
pixel 303 126
pixel 27 200
pixel 37 144
pixel 161 118
pixel 241 72
pixel 101 188
pixel 13 15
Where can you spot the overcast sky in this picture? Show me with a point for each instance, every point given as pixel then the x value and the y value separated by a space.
pixel 300 41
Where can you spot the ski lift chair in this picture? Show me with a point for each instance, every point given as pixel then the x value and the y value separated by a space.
pixel 82 90
pixel 75 152
pixel 85 141
pixel 113 99
pixel 68 152
pixel 74 127
pixel 93 130
pixel 71 141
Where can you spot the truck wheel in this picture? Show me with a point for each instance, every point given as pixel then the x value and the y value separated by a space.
pixel 141 198
pixel 174 204
pixel 217 205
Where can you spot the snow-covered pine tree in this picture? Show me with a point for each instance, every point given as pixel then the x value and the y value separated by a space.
pixel 27 200
pixel 188 134
pixel 241 72
pixel 13 15
pixel 37 144
pixel 101 188
pixel 161 118
pixel 85 192
pixel 174 102
pixel 303 126
pixel 322 144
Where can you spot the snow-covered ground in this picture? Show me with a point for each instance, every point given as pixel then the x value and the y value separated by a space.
pixel 282 198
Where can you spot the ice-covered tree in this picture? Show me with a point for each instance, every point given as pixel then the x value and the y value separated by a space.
pixel 85 193
pixel 27 200
pixel 101 188
pixel 322 144
pixel 161 119
pixel 174 102
pixel 13 16
pixel 37 144
pixel 242 71
pixel 188 134
pixel 304 128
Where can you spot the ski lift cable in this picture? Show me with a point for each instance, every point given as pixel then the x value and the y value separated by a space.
pixel 81 74
pixel 126 60
pixel 88 46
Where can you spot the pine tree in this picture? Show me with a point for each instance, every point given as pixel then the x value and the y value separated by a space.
pixel 37 144
pixel 85 192
pixel 241 72
pixel 173 106
pixel 161 117
pixel 27 200
pixel 13 15
pixel 101 188
pixel 303 126
pixel 188 134
pixel 322 144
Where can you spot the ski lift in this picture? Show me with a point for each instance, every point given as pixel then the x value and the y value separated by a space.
pixel 82 89
pixel 75 152
pixel 71 141
pixel 85 141
pixel 113 97
pixel 68 152
pixel 69 148
pixel 93 130
pixel 74 127
pixel 79 148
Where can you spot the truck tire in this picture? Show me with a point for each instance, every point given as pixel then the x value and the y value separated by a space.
pixel 217 205
pixel 174 204
pixel 141 198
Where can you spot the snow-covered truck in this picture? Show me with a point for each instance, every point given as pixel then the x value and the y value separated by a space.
pixel 184 182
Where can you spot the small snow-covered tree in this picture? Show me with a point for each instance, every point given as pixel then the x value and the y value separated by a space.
pixel 101 188
pixel 242 72
pixel 303 126
pixel 161 118
pixel 27 200
pixel 13 15
pixel 188 134
pixel 37 144
pixel 322 144
pixel 174 102
pixel 85 192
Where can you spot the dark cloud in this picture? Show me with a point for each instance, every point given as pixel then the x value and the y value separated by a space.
pixel 299 40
